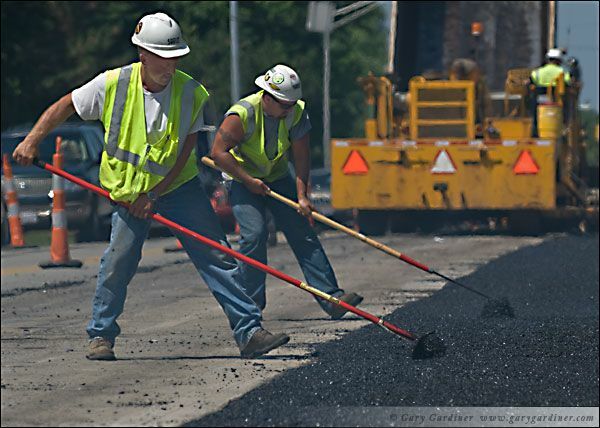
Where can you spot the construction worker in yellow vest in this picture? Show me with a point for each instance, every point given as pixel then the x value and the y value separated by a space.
pixel 152 114
pixel 253 145
pixel 543 77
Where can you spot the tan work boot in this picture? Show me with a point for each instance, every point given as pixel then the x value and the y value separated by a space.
pixel 262 342
pixel 336 312
pixel 100 348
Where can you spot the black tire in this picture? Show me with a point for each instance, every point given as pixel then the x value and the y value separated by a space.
pixel 373 223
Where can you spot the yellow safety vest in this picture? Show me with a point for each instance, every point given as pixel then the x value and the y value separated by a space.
pixel 250 153
pixel 546 76
pixel 130 165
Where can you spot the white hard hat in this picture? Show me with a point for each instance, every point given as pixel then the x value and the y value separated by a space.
pixel 554 53
pixel 161 35
pixel 282 82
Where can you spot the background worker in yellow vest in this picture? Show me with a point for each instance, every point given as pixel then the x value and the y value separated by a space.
pixel 152 113
pixel 253 144
pixel 543 77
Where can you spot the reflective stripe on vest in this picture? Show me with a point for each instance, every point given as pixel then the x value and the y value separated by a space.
pixel 289 119
pixel 184 125
pixel 130 165
pixel 112 146
pixel 249 118
pixel 546 76
pixel 112 143
pixel 250 153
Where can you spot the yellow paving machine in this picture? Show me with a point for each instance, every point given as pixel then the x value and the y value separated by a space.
pixel 433 152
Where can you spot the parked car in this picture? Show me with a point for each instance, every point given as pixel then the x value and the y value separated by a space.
pixel 87 213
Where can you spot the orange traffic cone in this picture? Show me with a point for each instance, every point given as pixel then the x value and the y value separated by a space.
pixel 174 249
pixel 59 246
pixel 12 205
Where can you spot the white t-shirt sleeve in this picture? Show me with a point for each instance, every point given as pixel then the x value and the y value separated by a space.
pixel 89 98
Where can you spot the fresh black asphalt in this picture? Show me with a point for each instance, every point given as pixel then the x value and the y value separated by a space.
pixel 547 355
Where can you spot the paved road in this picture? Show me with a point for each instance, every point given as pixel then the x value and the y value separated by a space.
pixel 547 355
pixel 176 358
pixel 21 273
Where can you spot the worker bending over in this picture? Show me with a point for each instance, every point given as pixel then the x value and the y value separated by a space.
pixel 253 145
pixel 152 113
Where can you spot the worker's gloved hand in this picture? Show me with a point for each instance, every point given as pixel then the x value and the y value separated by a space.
pixel 306 208
pixel 25 152
pixel 256 185
pixel 142 207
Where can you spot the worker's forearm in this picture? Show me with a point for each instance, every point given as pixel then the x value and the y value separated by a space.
pixel 301 187
pixel 53 116
pixel 226 162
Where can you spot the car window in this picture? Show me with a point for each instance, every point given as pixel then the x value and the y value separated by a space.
pixel 73 149
pixel 73 146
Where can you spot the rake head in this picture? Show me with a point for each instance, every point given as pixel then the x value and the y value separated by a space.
pixel 428 346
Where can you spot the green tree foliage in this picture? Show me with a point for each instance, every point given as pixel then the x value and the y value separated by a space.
pixel 51 48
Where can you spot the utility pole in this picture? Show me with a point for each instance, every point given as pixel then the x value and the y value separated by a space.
pixel 326 109
pixel 235 66
pixel 392 39
pixel 320 19
pixel 552 24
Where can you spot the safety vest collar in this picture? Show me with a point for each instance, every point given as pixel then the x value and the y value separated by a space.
pixel 250 153
pixel 112 142
pixel 175 109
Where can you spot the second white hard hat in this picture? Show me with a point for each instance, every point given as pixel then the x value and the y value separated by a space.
pixel 161 35
pixel 554 53
pixel 282 82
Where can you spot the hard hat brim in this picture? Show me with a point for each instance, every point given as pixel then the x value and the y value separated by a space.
pixel 260 82
pixel 181 50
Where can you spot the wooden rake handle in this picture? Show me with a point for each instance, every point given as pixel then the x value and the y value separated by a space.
pixel 335 225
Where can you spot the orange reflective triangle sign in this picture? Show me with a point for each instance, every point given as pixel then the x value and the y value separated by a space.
pixel 443 164
pixel 526 164
pixel 355 164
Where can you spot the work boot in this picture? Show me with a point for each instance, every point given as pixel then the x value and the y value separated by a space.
pixel 262 342
pixel 336 312
pixel 100 348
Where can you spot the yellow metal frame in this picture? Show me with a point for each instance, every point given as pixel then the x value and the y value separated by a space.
pixel 384 108
pixel 418 83
pixel 400 176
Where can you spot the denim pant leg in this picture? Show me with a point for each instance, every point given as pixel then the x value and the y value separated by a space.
pixel 304 242
pixel 249 211
pixel 117 267
pixel 190 207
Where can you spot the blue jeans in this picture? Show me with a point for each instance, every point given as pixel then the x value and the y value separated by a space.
pixel 188 206
pixel 249 211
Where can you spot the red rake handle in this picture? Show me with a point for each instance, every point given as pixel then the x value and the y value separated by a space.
pixel 376 320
